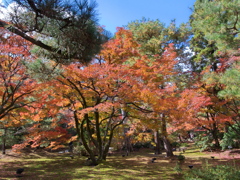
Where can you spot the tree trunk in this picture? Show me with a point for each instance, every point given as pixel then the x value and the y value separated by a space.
pixel 86 146
pixel 180 138
pixel 166 142
pixel 127 139
pixel 105 152
pixel 217 144
pixel 215 137
pixel 167 146
pixel 128 145
pixel 101 143
pixel 158 142
pixel 4 141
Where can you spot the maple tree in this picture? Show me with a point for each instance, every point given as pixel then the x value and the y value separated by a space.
pixel 154 37
pixel 96 95
pixel 159 93
pixel 151 81
pixel 93 95
pixel 121 49
pixel 17 89
pixel 203 105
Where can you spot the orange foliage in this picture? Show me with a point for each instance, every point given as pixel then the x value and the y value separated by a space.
pixel 121 48
pixel 16 87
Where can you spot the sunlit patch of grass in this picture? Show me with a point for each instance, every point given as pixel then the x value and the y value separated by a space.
pixel 136 166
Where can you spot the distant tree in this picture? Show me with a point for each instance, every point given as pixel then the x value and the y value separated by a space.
pixel 154 38
pixel 215 27
pixel 212 102
pixel 218 21
pixel 231 137
pixel 120 49
pixel 215 42
pixel 231 79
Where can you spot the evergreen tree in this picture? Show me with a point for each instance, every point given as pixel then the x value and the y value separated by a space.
pixel 218 21
pixel 65 31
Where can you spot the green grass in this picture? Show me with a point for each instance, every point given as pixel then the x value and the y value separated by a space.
pixel 136 166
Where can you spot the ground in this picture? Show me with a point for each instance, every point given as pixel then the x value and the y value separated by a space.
pixel 60 166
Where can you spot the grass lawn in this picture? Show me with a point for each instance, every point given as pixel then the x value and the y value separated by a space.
pixel 138 165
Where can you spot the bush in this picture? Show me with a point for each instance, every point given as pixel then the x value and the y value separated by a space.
pixel 137 145
pixel 10 137
pixel 175 144
pixel 204 141
pixel 181 157
pixel 147 145
pixel 80 150
pixel 231 138
pixel 184 145
pixel 220 172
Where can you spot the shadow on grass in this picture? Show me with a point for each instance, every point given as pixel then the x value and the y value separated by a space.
pixel 63 167
pixel 136 166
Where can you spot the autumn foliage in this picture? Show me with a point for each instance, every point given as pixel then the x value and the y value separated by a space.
pixel 16 87
pixel 120 93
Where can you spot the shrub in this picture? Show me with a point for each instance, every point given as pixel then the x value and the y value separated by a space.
pixel 220 172
pixel 204 141
pixel 178 168
pixel 231 138
pixel 184 145
pixel 80 150
pixel 175 144
pixel 181 157
pixel 147 145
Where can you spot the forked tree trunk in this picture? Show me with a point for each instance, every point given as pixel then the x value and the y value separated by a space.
pixel 102 141
pixel 86 146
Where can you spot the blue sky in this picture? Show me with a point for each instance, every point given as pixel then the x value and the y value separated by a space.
pixel 117 13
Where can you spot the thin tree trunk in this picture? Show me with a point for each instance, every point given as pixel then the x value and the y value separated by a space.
pixel 180 138
pixel 215 137
pixel 77 124
pixel 128 145
pixel 99 137
pixel 105 152
pixel 127 140
pixel 158 142
pixel 4 141
pixel 167 144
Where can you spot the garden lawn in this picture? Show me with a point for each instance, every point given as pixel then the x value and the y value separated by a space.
pixel 138 165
